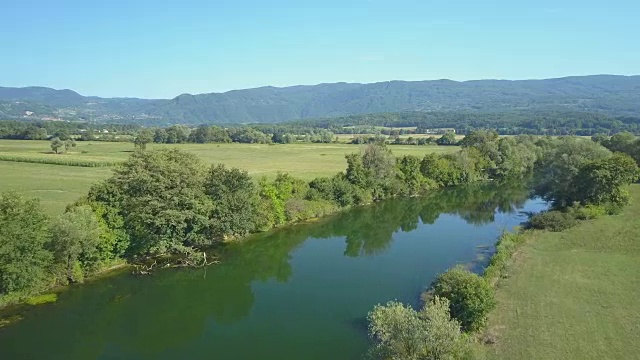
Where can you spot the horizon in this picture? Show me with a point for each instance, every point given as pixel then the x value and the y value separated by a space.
pixel 150 50
pixel 311 85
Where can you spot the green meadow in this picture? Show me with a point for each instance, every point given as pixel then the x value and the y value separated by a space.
pixel 22 167
pixel 573 294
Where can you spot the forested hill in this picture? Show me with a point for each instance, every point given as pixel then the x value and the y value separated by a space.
pixel 607 94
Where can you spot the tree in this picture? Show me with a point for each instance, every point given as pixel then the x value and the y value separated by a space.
pixel 69 144
pixel 34 133
pixel 144 137
pixel 160 136
pixel 447 139
pixel 620 142
pixel 399 332
pixel 409 174
pixel 560 165
pixel 516 157
pixel 74 243
pixel 56 144
pixel 355 172
pixel 405 334
pixel 235 203
pixel 62 134
pixel 604 181
pixel 380 169
pixel 202 135
pixel 470 296
pixel 162 200
pixel 23 237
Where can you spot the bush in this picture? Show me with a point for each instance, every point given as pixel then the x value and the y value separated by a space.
pixel 587 212
pixel 553 221
pixel 470 296
pixel 401 332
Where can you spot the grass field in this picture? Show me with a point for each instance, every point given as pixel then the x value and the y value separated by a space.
pixel 574 294
pixel 58 185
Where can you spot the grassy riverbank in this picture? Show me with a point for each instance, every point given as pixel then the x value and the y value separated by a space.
pixel 573 294
pixel 59 185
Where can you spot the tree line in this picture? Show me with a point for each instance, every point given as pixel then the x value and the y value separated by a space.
pixel 168 204
pixel 532 122
pixel 538 122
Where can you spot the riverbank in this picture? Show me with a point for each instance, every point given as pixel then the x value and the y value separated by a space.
pixel 572 294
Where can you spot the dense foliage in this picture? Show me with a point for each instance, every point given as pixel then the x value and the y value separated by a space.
pixel 23 257
pixel 470 297
pixel 402 333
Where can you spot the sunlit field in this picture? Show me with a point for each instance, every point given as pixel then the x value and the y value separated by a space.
pixel 58 185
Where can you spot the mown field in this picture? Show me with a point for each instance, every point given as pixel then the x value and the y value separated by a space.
pixel 58 185
pixel 574 294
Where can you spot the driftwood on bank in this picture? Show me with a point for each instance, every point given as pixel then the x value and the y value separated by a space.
pixel 186 261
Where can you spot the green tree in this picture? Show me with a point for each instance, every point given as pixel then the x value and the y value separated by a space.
pixel 517 157
pixel 380 169
pixel 470 296
pixel 62 134
pixel 447 139
pixel 160 136
pixel 409 174
pixel 559 167
pixel 162 201
pixel 143 137
pixel 69 144
pixel 235 203
pixel 404 334
pixel 605 180
pixel 355 172
pixel 24 261
pixel 56 144
pixel 75 243
pixel 202 135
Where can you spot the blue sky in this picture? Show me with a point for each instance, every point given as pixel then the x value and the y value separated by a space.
pixel 159 49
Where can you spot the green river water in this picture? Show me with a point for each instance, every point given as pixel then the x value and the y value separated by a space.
pixel 301 292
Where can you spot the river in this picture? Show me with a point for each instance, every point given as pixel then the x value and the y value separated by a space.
pixel 301 292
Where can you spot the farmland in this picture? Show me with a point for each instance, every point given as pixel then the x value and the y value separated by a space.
pixel 58 185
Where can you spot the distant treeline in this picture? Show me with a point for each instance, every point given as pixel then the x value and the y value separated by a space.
pixel 505 123
pixel 64 130
pixel 324 130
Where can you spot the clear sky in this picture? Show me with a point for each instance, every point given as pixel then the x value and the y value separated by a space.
pixel 159 49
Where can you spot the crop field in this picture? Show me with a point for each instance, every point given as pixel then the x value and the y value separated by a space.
pixel 58 180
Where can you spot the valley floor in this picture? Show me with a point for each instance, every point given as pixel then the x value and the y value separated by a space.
pixel 573 294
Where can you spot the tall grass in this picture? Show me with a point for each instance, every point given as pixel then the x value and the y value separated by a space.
pixel 507 245
pixel 57 160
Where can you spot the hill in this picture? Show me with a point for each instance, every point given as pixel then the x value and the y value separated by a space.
pixel 607 94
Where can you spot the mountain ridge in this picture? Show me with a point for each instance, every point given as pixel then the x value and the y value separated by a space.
pixel 610 94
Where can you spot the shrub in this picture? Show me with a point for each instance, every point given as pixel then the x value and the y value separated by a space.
pixel 587 212
pixel 470 296
pixel 552 221
pixel 401 332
